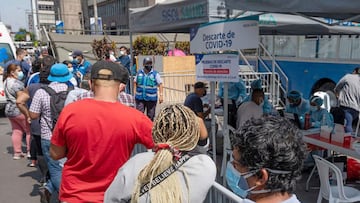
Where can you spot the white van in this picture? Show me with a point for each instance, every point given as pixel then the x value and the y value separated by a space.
pixel 7 53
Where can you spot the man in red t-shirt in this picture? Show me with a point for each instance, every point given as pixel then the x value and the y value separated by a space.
pixel 97 136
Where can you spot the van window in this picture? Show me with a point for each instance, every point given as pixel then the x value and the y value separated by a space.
pixel 5 54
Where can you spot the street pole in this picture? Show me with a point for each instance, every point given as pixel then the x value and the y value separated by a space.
pixel 96 17
pixel 35 19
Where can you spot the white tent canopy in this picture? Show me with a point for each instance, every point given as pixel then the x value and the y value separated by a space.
pixel 346 10
pixel 180 15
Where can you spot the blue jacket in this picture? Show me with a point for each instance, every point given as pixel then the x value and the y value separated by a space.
pixel 146 86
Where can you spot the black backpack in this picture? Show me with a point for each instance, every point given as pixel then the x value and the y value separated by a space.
pixel 57 102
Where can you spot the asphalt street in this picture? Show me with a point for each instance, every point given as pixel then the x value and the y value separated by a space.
pixel 18 182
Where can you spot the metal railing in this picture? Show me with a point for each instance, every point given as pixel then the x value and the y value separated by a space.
pixel 178 85
pixel 282 80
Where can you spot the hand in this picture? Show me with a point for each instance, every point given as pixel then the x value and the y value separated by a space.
pixel 161 99
pixel 28 119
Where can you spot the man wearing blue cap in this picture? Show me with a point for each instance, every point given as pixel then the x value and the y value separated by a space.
pixel 297 104
pixel 80 65
pixel 40 107
pixel 146 83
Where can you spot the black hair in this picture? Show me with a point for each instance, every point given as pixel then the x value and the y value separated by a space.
pixel 274 143
pixel 36 65
pixel 47 62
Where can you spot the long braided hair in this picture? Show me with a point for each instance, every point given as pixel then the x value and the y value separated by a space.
pixel 177 126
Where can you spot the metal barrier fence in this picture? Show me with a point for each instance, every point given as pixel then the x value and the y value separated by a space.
pixel 178 84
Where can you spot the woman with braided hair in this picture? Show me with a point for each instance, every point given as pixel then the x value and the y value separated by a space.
pixel 170 173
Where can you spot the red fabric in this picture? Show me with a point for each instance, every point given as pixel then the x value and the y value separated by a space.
pixel 353 169
pixel 99 138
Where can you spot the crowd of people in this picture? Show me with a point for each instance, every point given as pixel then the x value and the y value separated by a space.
pixel 82 144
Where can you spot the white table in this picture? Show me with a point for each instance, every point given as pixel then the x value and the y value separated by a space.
pixel 315 139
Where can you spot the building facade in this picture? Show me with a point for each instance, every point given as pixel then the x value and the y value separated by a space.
pixel 114 14
pixel 46 13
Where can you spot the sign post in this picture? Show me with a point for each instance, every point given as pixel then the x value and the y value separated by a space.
pixel 215 37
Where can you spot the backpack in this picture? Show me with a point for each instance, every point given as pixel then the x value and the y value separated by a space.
pixel 57 101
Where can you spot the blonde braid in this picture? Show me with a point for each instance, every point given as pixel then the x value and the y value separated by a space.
pixel 177 126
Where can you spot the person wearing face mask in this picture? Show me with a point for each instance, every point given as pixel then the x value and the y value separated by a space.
pixel 146 84
pixel 319 116
pixel 80 64
pixel 73 80
pixel 267 160
pixel 25 67
pixel 250 109
pixel 17 113
pixel 267 107
pixel 297 104
pixel 236 95
pixel 124 59
pixel 194 102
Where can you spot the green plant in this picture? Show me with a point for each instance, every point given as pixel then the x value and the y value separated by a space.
pixel 102 47
pixel 184 46
pixel 145 45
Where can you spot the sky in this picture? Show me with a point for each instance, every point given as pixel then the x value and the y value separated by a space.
pixel 15 13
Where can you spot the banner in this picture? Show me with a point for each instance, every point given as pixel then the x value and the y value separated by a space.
pixel 217 67
pixel 99 26
pixel 240 33
pixel 59 27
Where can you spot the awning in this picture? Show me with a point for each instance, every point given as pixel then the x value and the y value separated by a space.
pixel 345 10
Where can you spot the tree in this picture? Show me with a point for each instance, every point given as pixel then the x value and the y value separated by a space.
pixel 21 35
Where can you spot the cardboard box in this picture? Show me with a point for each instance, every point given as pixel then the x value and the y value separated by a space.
pixel 338 134
pixel 325 132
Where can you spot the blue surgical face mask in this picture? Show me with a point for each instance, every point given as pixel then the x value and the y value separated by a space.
pixel 237 181
pixel 313 108
pixel 76 60
pixel 71 70
pixel 238 184
pixel 20 75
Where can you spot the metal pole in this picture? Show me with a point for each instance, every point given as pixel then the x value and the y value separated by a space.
pixel 213 128
pixel 131 65
pixel 96 17
pixel 35 19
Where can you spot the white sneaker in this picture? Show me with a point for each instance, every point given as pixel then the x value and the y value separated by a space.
pixel 28 155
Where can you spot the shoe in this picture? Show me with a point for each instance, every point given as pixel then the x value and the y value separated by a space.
pixel 18 156
pixel 28 155
pixel 45 195
pixel 31 165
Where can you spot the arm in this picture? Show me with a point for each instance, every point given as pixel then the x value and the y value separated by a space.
pixel 161 98
pixel 340 85
pixel 21 98
pixel 57 152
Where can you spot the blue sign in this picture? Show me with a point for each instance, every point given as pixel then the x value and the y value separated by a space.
pixel 59 27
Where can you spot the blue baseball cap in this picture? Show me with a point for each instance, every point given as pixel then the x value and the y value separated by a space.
pixel 59 73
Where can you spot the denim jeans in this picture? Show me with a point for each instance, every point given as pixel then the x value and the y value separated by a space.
pixel 350 115
pixel 55 168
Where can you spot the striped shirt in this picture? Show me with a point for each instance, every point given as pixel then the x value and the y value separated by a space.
pixel 124 98
pixel 41 104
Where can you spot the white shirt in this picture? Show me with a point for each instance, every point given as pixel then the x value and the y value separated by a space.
pixel 200 172
pixel 246 111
